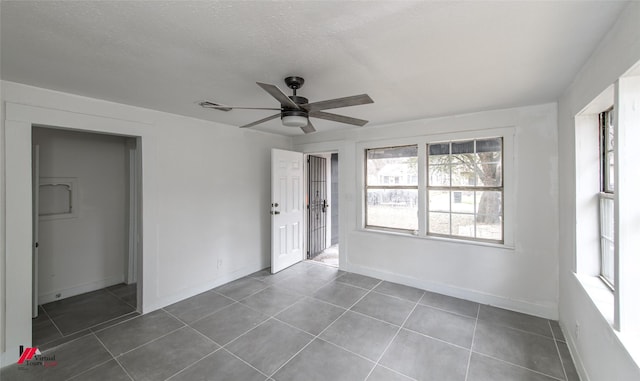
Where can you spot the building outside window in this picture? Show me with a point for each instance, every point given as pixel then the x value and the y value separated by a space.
pixel 392 188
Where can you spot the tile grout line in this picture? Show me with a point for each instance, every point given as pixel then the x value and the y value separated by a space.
pixel 252 294
pixel 120 299
pixel 207 315
pixel 395 336
pixel 111 320
pixel 392 370
pixel 220 347
pixel 251 366
pixel 519 366
pixel 325 340
pixel 194 363
pixel 52 322
pixel 149 342
pixel 555 342
pixel 318 335
pixel 449 311
pixel 473 338
pixel 112 356
pixel 88 370
pixel 518 329
pixel 89 330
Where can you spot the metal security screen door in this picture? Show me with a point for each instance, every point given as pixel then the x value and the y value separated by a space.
pixel 317 205
pixel 287 209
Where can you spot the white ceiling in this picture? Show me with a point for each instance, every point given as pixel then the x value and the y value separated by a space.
pixel 415 59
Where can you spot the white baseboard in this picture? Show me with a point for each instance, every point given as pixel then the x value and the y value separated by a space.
pixel 540 310
pixel 192 291
pixel 575 355
pixel 79 289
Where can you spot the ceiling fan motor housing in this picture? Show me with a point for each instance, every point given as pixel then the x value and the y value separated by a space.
pixel 295 112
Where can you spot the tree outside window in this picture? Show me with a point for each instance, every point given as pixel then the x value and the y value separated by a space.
pixel 465 189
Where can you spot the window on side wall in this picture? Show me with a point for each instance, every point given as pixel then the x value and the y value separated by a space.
pixel 465 189
pixel 392 188
pixel 606 196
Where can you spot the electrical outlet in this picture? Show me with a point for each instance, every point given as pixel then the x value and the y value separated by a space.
pixel 577 330
pixel 58 296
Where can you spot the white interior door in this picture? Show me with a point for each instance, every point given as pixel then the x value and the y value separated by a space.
pixel 35 221
pixel 287 209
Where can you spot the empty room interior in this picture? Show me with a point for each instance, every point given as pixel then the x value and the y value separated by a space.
pixel 320 190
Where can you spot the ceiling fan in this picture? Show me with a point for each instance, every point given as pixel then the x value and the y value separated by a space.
pixel 295 110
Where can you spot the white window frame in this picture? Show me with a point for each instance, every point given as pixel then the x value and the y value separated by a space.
pixel 618 305
pixel 509 195
pixel 470 188
pixel 607 195
pixel 390 185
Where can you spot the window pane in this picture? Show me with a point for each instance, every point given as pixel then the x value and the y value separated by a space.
pixel 439 175
pixel 439 201
pixel 471 164
pixel 607 238
pixel 489 230
pixel 393 208
pixel 607 135
pixel 462 225
pixel 462 147
pixel 392 166
pixel 607 261
pixel 606 218
pixel 464 174
pixel 610 167
pixel 439 223
pixel 463 202
pixel 489 145
pixel 489 203
pixel 439 149
pixel 489 169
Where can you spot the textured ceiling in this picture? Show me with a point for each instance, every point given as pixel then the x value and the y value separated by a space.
pixel 415 59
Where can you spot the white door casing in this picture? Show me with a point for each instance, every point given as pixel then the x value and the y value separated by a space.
pixel 287 209
pixel 35 222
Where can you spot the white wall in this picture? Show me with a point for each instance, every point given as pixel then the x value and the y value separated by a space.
pixel 597 350
pixel 86 252
pixel 204 189
pixel 523 277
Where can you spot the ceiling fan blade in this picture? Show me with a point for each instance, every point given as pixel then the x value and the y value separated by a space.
pixel 353 100
pixel 338 118
pixel 279 95
pixel 207 104
pixel 261 120
pixel 308 128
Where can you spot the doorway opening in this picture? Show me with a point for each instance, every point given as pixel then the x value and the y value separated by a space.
pixel 86 205
pixel 323 209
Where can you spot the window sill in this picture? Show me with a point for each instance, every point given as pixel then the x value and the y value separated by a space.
pixel 600 295
pixel 437 239
pixel 603 299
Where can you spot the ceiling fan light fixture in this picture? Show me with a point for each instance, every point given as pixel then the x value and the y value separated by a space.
pixel 294 118
pixel 294 121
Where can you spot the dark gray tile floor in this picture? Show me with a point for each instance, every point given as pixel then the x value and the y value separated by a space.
pixel 67 319
pixel 314 322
